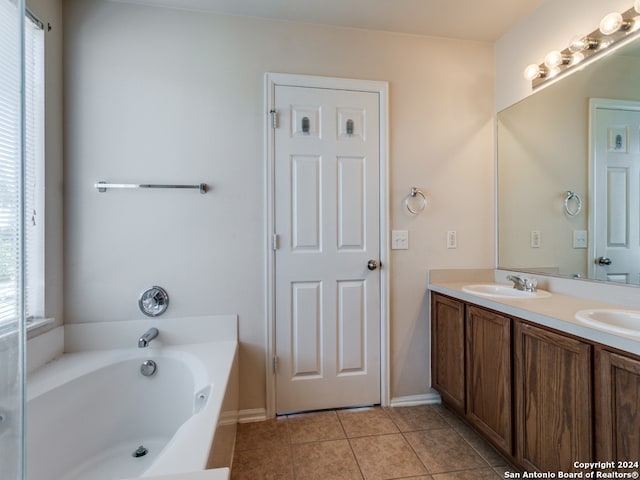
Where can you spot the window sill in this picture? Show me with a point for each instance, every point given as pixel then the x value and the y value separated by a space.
pixel 34 323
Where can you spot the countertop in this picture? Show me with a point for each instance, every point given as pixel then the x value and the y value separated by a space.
pixel 557 311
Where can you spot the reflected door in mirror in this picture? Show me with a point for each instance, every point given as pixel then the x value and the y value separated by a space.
pixel 616 186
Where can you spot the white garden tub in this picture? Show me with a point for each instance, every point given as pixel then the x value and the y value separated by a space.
pixel 88 412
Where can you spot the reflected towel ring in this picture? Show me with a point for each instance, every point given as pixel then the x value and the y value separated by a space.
pixel 572 196
pixel 418 204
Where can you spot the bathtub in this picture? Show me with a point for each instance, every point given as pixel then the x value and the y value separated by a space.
pixel 92 415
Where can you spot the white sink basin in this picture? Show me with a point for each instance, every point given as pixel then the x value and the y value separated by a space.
pixel 612 320
pixel 498 290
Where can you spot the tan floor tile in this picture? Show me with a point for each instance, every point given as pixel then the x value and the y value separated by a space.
pixel 503 469
pixel 386 456
pixel 262 464
pixel 444 450
pixel 266 434
pixel 420 417
pixel 363 422
pixel 325 460
pixel 450 417
pixel 486 451
pixel 314 427
pixel 481 474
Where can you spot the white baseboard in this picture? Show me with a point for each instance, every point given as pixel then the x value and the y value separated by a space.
pixel 260 414
pixel 252 415
pixel 410 400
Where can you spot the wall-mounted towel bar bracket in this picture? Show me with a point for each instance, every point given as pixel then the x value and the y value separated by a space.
pixel 103 186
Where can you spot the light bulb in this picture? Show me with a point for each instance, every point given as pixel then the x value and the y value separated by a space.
pixel 605 43
pixel 532 72
pixel 554 59
pixel 583 42
pixel 611 23
pixel 577 44
pixel 553 72
pixel 576 58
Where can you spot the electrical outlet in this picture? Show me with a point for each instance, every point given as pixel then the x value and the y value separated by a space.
pixel 452 239
pixel 536 239
pixel 579 239
pixel 399 240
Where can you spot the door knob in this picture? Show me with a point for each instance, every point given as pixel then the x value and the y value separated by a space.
pixel 372 264
pixel 603 261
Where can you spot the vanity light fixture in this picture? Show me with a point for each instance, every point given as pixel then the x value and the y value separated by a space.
pixel 614 22
pixel 555 58
pixel 534 71
pixel 584 42
pixel 613 28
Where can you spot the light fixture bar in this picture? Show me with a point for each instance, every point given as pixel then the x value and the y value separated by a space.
pixel 613 28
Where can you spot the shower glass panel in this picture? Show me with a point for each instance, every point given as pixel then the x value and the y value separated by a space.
pixel 12 329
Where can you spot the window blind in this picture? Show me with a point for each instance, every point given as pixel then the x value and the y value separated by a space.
pixel 34 167
pixel 10 159
pixel 12 168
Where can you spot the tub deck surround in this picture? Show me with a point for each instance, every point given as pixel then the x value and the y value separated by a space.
pixel 203 372
pixel 557 311
pixel 214 474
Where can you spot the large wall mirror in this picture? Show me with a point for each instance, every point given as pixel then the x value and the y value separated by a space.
pixel 569 174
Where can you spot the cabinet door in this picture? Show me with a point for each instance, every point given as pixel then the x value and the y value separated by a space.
pixel 488 353
pixel 447 349
pixel 553 399
pixel 618 407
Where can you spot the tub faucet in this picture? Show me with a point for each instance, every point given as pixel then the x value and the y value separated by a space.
pixel 523 283
pixel 147 336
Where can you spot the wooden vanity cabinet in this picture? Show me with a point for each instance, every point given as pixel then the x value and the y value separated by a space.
pixel 488 379
pixel 552 399
pixel 617 388
pixel 529 389
pixel 476 341
pixel 447 350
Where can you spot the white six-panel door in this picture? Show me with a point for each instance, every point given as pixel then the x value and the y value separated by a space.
pixel 616 179
pixel 327 299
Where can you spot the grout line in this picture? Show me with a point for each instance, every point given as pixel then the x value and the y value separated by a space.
pixel 290 447
pixel 400 417
pixel 355 457
pixel 416 453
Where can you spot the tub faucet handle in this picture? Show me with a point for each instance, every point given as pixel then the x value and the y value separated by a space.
pixel 147 336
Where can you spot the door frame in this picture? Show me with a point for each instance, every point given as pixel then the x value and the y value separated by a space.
pixel 594 105
pixel 382 89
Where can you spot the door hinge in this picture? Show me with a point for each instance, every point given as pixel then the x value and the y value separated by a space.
pixel 274 118
pixel 275 241
pixel 276 364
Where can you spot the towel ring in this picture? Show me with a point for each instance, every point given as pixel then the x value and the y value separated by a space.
pixel 421 202
pixel 572 196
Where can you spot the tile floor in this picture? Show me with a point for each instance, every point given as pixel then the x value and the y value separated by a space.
pixel 425 442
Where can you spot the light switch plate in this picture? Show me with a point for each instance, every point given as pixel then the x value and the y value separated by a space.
pixel 452 239
pixel 399 240
pixel 580 239
pixel 536 238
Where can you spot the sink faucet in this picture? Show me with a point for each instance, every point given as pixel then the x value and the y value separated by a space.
pixel 147 336
pixel 523 283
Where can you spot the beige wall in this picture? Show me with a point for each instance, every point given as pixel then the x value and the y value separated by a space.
pixel 159 95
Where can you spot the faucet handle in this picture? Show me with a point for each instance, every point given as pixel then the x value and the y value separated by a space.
pixel 530 284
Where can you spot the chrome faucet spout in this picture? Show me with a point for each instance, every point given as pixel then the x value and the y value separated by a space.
pixel 147 336
pixel 523 283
